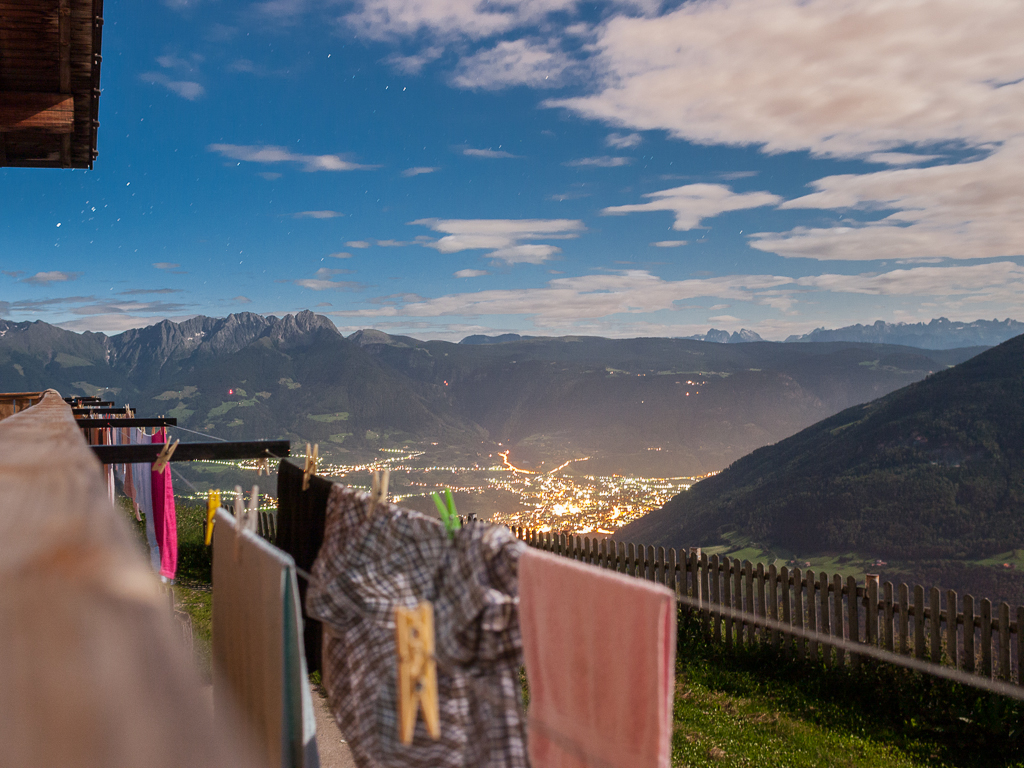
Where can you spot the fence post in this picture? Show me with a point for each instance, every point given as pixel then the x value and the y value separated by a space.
pixel 970 654
pixel 826 649
pixel 798 610
pixel 737 598
pixel 1004 641
pixel 773 602
pixel 673 564
pixel 887 638
pixel 952 646
pixel 705 600
pixel 787 616
pixel 837 616
pixel 762 605
pixel 918 621
pixel 748 574
pixel 661 575
pixel 715 596
pixel 812 617
pixel 727 598
pixel 871 601
pixel 935 636
pixel 904 631
pixel 652 568
pixel 853 606
pixel 986 637
pixel 1020 645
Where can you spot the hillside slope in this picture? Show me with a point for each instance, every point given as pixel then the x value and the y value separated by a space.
pixel 932 471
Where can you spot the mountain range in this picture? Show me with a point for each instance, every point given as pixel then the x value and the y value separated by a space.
pixel 651 406
pixel 939 333
pixel 929 479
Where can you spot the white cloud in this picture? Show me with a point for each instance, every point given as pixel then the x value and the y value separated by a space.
pixel 470 273
pixel 117 322
pixel 45 278
pixel 187 89
pixel 340 255
pixel 512 62
pixel 242 299
pixel 269 175
pixel 317 215
pixel 166 265
pixel 502 237
pixel 969 210
pixel 357 244
pixel 413 65
pixel 599 162
pixel 693 203
pixel 1003 277
pixel 272 154
pixel 322 281
pixel 669 243
pixel 488 153
pixel 836 78
pixel 623 140
pixel 899 158
pixel 419 169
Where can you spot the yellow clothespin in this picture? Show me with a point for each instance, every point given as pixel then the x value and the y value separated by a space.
pixel 212 503
pixel 165 456
pixel 261 467
pixel 312 456
pixel 417 671
pixel 379 488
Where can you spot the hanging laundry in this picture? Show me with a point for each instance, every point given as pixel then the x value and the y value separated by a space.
pixel 164 515
pixel 142 480
pixel 300 532
pixel 374 560
pixel 600 663
pixel 258 663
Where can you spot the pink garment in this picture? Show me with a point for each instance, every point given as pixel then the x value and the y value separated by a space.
pixel 600 662
pixel 164 516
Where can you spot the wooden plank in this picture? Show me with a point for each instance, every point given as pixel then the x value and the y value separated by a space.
pixel 824 623
pixel 621 556
pixel 952 636
pixel 47 112
pixel 773 602
pixel 737 597
pixel 123 423
pixel 812 616
pixel 853 606
pixel 146 454
pixel 715 596
pixel 787 616
pixel 934 636
pixel 672 582
pixel 986 637
pixel 887 638
pixel 693 563
pixel 727 598
pixel 919 622
pixel 762 607
pixel 970 654
pixel 748 577
pixel 798 610
pixel 93 670
pixel 837 616
pixel 652 565
pixel 871 606
pixel 1020 645
pixel 1004 641
pixel 705 592
pixel 904 619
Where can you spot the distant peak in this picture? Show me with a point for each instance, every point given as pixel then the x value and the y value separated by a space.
pixel 500 339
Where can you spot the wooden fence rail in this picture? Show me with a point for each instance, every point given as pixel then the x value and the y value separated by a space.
pixel 934 626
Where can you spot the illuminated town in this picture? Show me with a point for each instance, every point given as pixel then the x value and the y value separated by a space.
pixel 559 499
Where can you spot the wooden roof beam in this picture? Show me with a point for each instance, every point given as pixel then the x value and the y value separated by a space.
pixel 48 112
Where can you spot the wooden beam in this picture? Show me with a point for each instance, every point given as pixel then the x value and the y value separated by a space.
pixel 121 423
pixel 49 112
pixel 64 33
pixel 146 454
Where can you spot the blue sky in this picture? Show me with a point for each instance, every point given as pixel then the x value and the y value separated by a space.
pixel 447 167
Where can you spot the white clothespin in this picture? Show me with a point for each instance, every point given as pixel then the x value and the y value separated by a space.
pixel 417 671
pixel 312 457
pixel 239 513
pixel 164 456
pixel 261 467
pixel 379 488
pixel 252 515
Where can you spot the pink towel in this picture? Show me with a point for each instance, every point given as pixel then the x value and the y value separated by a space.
pixel 600 662
pixel 164 516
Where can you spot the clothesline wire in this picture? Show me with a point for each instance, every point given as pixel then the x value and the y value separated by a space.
pixel 201 434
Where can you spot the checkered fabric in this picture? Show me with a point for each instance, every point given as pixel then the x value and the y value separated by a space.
pixel 371 563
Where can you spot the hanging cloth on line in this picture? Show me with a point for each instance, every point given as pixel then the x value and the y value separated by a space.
pixel 164 515
pixel 258 663
pixel 374 560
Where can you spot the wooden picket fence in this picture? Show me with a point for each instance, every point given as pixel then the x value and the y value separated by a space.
pixel 932 625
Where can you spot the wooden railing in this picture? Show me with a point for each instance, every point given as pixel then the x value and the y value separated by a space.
pixel 930 624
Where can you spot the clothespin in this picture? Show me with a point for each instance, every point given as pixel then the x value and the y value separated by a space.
pixel 212 503
pixel 252 514
pixel 312 456
pixel 165 456
pixel 261 467
pixel 446 510
pixel 239 513
pixel 417 671
pixel 379 488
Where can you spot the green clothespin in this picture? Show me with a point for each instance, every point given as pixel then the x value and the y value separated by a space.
pixel 446 510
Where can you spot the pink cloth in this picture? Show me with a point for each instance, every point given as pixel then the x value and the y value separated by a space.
pixel 600 662
pixel 164 516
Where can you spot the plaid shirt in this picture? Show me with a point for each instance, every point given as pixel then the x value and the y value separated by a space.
pixel 370 564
